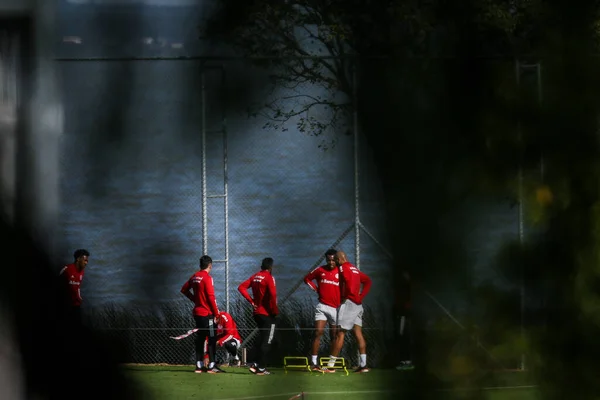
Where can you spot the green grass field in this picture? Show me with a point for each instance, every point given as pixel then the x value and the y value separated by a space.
pixel 175 382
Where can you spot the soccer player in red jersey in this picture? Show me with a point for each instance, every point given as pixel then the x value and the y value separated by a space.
pixel 328 289
pixel 228 337
pixel 351 309
pixel 200 290
pixel 72 275
pixel 264 302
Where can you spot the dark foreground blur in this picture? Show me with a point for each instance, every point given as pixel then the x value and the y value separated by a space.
pixel 60 359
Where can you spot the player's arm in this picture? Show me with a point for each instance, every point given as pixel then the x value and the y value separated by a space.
pixel 366 284
pixel 186 289
pixel 64 277
pixel 210 295
pixel 309 278
pixel 273 296
pixel 224 339
pixel 220 338
pixel 343 286
pixel 226 326
pixel 234 330
pixel 243 289
pixel 226 331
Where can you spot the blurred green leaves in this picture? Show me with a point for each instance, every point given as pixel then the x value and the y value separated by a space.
pixel 443 108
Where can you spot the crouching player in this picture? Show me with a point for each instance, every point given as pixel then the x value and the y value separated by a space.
pixel 228 338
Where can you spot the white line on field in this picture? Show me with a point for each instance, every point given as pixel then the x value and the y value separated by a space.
pixel 376 391
pixel 354 392
pixel 489 388
pixel 308 393
pixel 266 396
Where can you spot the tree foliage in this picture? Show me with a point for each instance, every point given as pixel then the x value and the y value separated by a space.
pixel 440 117
pixel 312 46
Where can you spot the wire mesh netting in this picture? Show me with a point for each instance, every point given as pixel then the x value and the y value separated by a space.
pixel 133 182
pixel 161 164
pixel 149 336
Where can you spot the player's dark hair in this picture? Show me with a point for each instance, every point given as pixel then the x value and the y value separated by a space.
pixel 267 263
pixel 205 261
pixel 80 253
pixel 330 252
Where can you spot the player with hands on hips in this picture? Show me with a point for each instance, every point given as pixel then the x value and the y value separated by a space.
pixel 328 289
pixel 354 287
pixel 200 290
pixel 264 304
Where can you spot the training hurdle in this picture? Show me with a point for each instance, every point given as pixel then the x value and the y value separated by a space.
pixel 340 363
pixel 295 363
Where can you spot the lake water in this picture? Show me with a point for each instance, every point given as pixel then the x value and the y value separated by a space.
pixel 132 189
pixel 132 181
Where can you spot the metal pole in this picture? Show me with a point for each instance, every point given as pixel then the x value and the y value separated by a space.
pixel 277 57
pixel 356 181
pixel 357 223
pixel 540 97
pixel 521 241
pixel 225 185
pixel 204 211
pixel 539 82
pixel 520 219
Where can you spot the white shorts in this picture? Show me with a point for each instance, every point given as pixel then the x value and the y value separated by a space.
pixel 327 313
pixel 349 314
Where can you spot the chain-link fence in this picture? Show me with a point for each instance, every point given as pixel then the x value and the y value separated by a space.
pixel 162 163
pixel 158 171
pixel 148 337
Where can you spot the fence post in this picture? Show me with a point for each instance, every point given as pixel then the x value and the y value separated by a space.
pixel 519 68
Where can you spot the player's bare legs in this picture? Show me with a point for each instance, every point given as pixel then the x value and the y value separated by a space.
pixel 336 347
pixel 362 348
pixel 338 342
pixel 360 339
pixel 332 332
pixel 319 330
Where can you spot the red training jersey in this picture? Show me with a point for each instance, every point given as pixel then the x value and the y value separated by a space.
pixel 226 329
pixel 264 292
pixel 328 285
pixel 200 289
pixel 72 277
pixel 352 279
